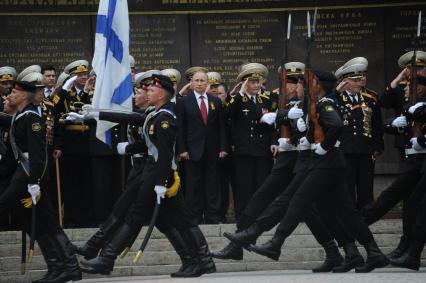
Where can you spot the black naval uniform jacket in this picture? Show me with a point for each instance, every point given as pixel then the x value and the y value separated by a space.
pixel 249 136
pixel 134 120
pixel 201 141
pixel 405 133
pixel 362 123
pixel 394 98
pixel 72 139
pixel 161 129
pixel 30 136
pixel 332 126
pixel 7 160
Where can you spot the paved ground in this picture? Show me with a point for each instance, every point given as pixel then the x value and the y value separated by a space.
pixel 294 276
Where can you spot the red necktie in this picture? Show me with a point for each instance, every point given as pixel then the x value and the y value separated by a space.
pixel 203 110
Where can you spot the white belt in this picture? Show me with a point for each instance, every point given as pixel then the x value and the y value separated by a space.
pixel 337 145
pixel 410 151
pixel 137 155
pixel 293 148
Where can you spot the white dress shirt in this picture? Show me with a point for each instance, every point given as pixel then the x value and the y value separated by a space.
pixel 206 100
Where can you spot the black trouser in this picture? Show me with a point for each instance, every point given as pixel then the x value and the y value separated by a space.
pixel 415 208
pixel 202 189
pixel 132 187
pixel 51 178
pixel 77 188
pixel 400 189
pixel 172 210
pixel 326 188
pixel 276 210
pixel 227 181
pixel 277 181
pixel 46 217
pixel 360 177
pixel 250 173
pixel 106 176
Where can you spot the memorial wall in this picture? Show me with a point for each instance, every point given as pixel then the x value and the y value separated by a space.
pixel 221 35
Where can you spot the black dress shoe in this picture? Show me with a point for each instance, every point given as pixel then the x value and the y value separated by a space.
pixel 333 258
pixel 268 249
pixel 406 261
pixel 231 251
pixel 353 259
pixel 375 259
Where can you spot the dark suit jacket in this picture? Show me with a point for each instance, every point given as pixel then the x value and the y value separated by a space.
pixel 201 141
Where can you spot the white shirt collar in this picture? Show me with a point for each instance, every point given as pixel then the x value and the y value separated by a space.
pixel 197 95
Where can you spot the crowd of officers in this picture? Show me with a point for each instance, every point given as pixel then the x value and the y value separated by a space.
pixel 303 152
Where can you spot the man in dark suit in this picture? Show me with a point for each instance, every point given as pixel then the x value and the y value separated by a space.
pixel 201 142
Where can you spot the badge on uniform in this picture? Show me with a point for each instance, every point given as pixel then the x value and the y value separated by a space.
pixel 246 111
pixel 259 99
pixel 212 106
pixel 56 99
pixel 151 129
pixel 36 127
pixel 164 124
pixel 245 99
pixel 329 108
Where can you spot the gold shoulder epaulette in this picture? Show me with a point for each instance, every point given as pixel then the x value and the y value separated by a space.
pixel 265 94
pixel 48 102
pixel 371 95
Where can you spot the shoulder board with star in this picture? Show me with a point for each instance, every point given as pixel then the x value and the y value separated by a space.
pixel 265 94
pixel 370 94
pixel 326 99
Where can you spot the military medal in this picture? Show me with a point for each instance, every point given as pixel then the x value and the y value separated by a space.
pixel 212 106
pixel 246 111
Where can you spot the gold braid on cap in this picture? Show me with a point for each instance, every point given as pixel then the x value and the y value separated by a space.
pixel 213 82
pixel 255 76
pixel 79 69
pixel 6 77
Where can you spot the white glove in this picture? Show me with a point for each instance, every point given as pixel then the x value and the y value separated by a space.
pixel 295 113
pixel 284 144
pixel 72 116
pixel 415 145
pixel 268 118
pixel 34 190
pixel 90 115
pixel 415 106
pixel 161 192
pixel 67 85
pixel 319 150
pixel 304 144
pixel 87 107
pixel 399 122
pixel 301 125
pixel 121 147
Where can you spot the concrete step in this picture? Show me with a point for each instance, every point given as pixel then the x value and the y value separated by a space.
pixel 300 251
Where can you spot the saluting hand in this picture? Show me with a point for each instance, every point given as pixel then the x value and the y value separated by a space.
pixel 341 86
pixel 185 89
pixel 90 84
